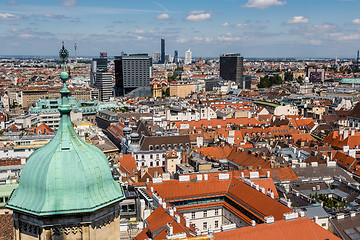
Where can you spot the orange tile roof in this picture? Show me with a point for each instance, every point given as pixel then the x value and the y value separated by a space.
pixel 347 162
pixel 174 189
pixel 258 202
pixel 298 229
pixel 215 152
pixel 157 220
pixel 247 159
pixel 351 141
pixel 127 164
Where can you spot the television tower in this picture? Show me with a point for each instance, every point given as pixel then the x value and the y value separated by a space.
pixel 75 46
pixel 357 61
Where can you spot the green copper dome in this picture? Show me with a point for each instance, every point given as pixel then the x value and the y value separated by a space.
pixel 67 175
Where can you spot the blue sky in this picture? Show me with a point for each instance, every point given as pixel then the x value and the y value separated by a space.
pixel 255 28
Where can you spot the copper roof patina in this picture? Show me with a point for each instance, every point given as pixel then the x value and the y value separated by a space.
pixel 67 175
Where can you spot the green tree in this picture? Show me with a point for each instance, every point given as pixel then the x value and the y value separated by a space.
pixel 266 82
pixel 166 92
pixel 288 76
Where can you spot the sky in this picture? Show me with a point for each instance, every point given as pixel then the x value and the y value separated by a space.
pixel 254 28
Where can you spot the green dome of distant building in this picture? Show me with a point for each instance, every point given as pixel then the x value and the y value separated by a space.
pixel 67 175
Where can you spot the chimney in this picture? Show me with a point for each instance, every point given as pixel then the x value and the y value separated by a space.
pixel 169 230
pixel 164 205
pixel 170 211
pixel 253 223
pixel 346 134
pixel 269 220
pixel 268 174
pixel 187 222
pixel 302 214
pixel 177 218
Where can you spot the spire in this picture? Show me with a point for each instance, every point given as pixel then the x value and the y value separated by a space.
pixel 65 107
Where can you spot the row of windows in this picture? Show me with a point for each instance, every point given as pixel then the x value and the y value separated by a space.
pixel 205 225
pixel 137 157
pixel 205 213
pixel 153 164
pixel 168 146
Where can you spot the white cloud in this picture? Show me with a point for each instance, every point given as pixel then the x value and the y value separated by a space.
pixel 196 16
pixel 262 4
pixel 8 17
pixel 196 12
pixel 356 21
pixel 315 42
pixel 228 38
pixel 297 19
pixel 26 35
pixel 345 37
pixel 163 16
pixel 240 25
pixel 11 2
pixel 69 3
pixel 182 40
pixel 139 31
pixel 225 24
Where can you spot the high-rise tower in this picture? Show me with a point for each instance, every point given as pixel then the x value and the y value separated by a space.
pixel 66 188
pixel 176 56
pixel 231 68
pixel 162 59
pixel 100 78
pixel 188 56
pixel 131 72
pixel 357 61
pixel 75 46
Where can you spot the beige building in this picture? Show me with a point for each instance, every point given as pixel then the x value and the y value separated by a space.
pixel 171 160
pixel 30 96
pixel 184 88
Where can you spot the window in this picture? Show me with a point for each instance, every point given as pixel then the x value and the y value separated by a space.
pixel 151 156
pixel 216 212
pixel 204 225
pixel 193 215
pixel 205 214
pixel 151 164
pixel 216 224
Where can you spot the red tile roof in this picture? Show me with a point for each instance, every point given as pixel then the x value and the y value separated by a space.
pixel 258 202
pixel 298 229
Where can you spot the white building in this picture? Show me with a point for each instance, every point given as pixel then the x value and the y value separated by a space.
pixel 286 110
pixel 152 158
pixel 191 114
pixel 188 56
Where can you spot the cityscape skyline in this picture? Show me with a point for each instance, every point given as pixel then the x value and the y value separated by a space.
pixel 266 28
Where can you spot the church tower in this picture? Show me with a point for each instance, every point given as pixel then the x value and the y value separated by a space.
pixel 66 189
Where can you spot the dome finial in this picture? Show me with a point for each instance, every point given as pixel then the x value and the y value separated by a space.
pixel 65 107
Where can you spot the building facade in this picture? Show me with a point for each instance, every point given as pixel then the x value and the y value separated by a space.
pixel 188 57
pixel 231 68
pixel 162 59
pixel 131 72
